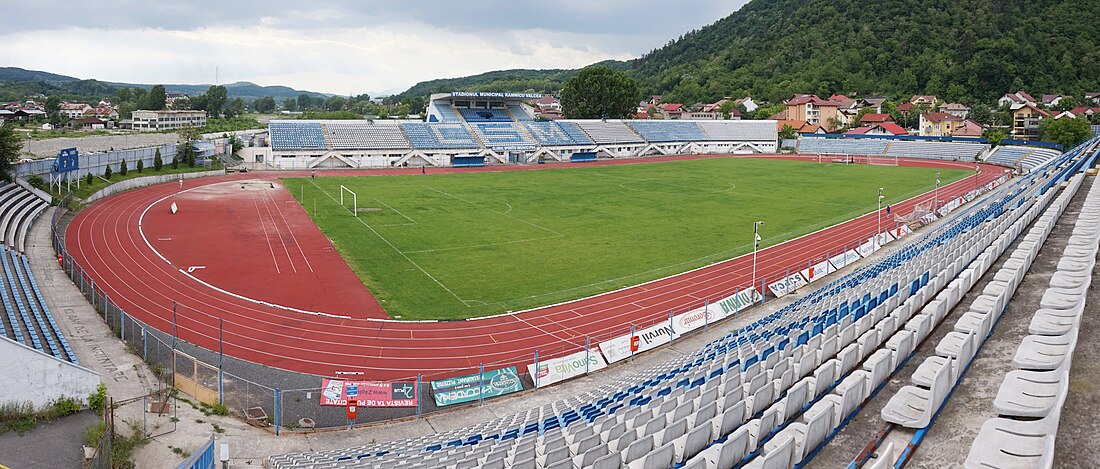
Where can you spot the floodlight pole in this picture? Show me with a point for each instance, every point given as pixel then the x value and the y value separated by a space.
pixel 880 197
pixel 755 245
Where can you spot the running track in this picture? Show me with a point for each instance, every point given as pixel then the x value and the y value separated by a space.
pixel 105 241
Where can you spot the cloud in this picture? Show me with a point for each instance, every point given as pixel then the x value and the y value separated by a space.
pixel 332 46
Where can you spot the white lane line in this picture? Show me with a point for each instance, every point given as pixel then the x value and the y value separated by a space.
pixel 266 236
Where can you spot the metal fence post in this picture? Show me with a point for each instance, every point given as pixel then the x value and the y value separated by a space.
pixel 418 395
pixel 480 383
pixel 278 405
pixel 671 331
pixel 122 323
pixel 586 355
pixel 536 368
pixel 706 314
pixel 104 308
pixel 631 344
pixel 144 345
pixel 221 361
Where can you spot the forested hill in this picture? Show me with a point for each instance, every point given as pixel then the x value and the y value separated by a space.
pixel 959 50
pixel 955 49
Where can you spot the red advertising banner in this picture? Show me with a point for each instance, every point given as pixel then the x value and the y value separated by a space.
pixel 369 393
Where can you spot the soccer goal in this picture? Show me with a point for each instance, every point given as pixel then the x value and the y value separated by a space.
pixel 354 200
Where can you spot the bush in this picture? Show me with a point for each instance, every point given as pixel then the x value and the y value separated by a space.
pixel 107 172
pixel 89 179
pixel 175 162
pixel 37 182
pixel 122 169
pixel 98 399
pixel 158 162
pixel 140 165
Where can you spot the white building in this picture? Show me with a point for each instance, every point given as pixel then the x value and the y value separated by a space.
pixel 168 120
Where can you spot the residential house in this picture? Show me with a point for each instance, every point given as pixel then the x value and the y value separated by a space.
pixel 1051 100
pixel 74 110
pixel 672 110
pixel 716 107
pixel 875 101
pixel 1092 98
pixel 750 105
pixel 1016 100
pixel 103 112
pixel 969 128
pixel 813 110
pixel 1086 112
pixel 956 109
pixel 1025 121
pixel 873 119
pixel 923 99
pixel 848 108
pixel 800 126
pixel 886 128
pixel 939 124
pixel 88 123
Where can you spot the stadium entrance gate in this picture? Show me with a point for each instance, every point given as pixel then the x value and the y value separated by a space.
pixel 195 378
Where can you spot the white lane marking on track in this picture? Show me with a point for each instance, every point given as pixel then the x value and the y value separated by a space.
pixel 278 231
pixel 141 231
pixel 291 231
pixel 266 236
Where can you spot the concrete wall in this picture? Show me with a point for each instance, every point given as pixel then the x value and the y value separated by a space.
pixel 147 181
pixel 27 375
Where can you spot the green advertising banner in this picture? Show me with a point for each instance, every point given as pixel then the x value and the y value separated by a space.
pixel 465 388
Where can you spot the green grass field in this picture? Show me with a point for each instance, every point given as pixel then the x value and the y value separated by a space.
pixel 475 244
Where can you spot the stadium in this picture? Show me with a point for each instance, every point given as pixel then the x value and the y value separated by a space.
pixel 621 293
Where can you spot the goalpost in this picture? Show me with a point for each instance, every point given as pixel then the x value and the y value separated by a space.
pixel 354 200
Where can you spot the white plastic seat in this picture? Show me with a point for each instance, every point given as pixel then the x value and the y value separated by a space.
pixel 1005 442
pixel 692 443
pixel 1053 322
pixel 729 453
pixel 879 366
pixel 1044 353
pixel 913 407
pixel 1031 394
pixel 781 456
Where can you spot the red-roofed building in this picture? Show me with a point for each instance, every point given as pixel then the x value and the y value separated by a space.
pixel 969 128
pixel 672 111
pixel 1086 112
pixel 939 124
pixel 813 110
pixel 1025 121
pixel 1016 100
pixel 892 128
pixel 871 119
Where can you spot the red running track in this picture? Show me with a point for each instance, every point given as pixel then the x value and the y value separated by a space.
pixel 106 240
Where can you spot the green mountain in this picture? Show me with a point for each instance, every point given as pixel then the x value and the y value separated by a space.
pixel 16 83
pixel 959 50
pixel 520 81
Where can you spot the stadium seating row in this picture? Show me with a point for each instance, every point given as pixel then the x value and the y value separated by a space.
pixel 359 135
pixel 19 207
pixel 1025 158
pixel 485 115
pixel 1030 399
pixel 767 394
pixel 899 148
pixel 27 319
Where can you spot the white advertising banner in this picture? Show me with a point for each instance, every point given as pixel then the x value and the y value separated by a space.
pixel 620 348
pixel 868 247
pixel 556 370
pixel 840 260
pixel 816 271
pixel 787 285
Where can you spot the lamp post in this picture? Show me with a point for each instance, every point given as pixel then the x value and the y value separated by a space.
pixel 880 197
pixel 936 204
pixel 755 244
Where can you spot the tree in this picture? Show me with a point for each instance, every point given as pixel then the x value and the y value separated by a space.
pixel 264 105
pixel 335 103
pixel 53 110
pixel 213 101
pixel 107 172
pixel 788 132
pixel 727 107
pixel 235 144
pixel 10 146
pixel 176 159
pixel 157 99
pixel 140 166
pixel 305 102
pixel 598 92
pixel 290 104
pixel 182 104
pixel 122 169
pixel 833 124
pixel 235 108
pixel 1067 132
pixel 982 114
pixel 88 179
pixel 158 162
pixel 1065 104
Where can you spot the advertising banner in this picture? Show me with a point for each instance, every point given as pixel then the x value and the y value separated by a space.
pixel 368 393
pixel 840 260
pixel 816 271
pixel 556 370
pixel 786 286
pixel 624 346
pixel 868 247
pixel 466 388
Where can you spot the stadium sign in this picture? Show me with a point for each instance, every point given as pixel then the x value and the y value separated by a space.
pixel 491 94
pixel 556 370
pixel 816 271
pixel 343 393
pixel 476 386
pixel 840 260
pixel 68 159
pixel 787 285
pixel 625 346
pixel 514 148
pixel 732 304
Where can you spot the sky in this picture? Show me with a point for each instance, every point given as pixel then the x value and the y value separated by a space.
pixel 335 47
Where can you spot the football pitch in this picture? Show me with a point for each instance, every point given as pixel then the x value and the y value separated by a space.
pixel 454 246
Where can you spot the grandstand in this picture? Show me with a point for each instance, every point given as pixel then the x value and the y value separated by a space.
pixel 773 393
pixel 892 147
pixel 1021 158
pixel 499 127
